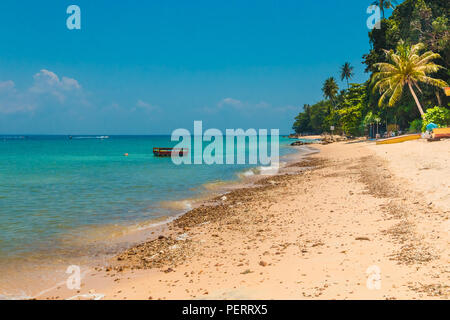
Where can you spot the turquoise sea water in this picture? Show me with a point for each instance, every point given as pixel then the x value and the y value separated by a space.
pixel 55 190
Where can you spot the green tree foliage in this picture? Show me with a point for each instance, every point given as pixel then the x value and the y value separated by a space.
pixel 370 119
pixel 352 108
pixel 346 117
pixel 313 119
pixel 302 122
pixel 415 126
pixel 414 21
pixel 436 115
pixel 320 116
pixel 385 4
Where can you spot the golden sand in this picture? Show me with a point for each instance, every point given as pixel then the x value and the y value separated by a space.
pixel 355 221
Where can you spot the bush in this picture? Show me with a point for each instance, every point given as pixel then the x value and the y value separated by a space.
pixel 415 126
pixel 436 115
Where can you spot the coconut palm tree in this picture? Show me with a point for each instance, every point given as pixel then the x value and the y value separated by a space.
pixel 406 67
pixel 346 72
pixel 330 89
pixel 385 4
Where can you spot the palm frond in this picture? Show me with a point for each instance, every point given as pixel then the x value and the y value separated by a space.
pixel 433 82
pixel 428 56
pixel 396 94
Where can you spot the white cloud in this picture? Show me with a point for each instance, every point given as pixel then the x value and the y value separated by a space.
pixel 230 102
pixel 238 104
pixel 11 101
pixel 142 105
pixel 7 85
pixel 46 83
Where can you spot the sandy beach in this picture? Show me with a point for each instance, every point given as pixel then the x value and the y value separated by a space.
pixel 354 221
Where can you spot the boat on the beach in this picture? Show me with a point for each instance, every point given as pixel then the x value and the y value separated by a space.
pixel 167 152
pixel 400 139
pixel 440 133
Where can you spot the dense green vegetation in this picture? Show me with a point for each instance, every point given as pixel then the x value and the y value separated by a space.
pixel 408 65
pixel 436 115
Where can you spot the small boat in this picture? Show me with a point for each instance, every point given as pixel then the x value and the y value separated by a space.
pixel 440 133
pixel 400 139
pixel 167 152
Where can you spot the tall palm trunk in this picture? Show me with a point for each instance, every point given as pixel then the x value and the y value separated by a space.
pixel 415 98
pixel 438 96
pixel 382 7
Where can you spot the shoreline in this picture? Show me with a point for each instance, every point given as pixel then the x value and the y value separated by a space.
pixel 295 236
pixel 164 228
pixel 150 229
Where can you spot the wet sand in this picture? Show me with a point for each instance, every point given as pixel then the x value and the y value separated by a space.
pixel 354 221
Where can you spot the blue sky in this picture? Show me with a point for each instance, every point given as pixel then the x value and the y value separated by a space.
pixel 149 67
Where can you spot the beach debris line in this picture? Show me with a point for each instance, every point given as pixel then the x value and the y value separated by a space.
pixel 323 139
pixel 156 253
pixel 182 237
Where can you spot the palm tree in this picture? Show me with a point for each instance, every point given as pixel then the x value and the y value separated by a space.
pixel 405 67
pixel 385 4
pixel 330 89
pixel 346 72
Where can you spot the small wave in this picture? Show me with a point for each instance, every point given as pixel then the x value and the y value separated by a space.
pixel 217 185
pixel 152 225
pixel 249 173
pixel 177 205
pixel 261 170
pixel 270 170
